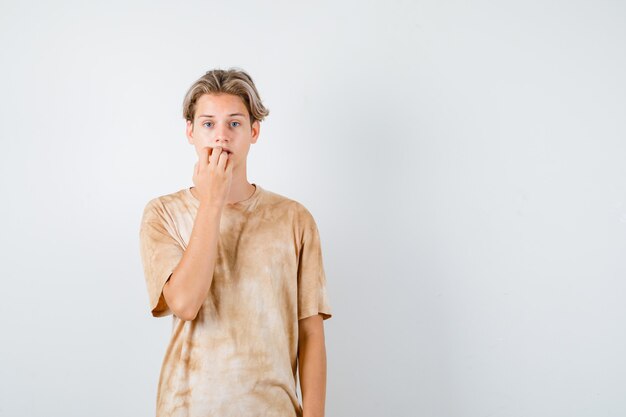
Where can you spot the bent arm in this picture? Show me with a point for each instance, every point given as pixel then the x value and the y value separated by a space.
pixel 188 286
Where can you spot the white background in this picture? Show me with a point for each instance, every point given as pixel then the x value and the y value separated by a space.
pixel 464 161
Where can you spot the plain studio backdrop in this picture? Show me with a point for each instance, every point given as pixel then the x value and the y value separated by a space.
pixel 465 163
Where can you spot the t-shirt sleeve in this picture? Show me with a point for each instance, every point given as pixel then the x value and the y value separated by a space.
pixel 160 254
pixel 312 292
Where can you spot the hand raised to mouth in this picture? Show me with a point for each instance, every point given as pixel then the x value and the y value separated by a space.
pixel 213 175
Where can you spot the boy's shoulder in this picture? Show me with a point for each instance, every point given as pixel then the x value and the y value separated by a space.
pixel 165 203
pixel 274 199
pixel 300 216
pixel 277 201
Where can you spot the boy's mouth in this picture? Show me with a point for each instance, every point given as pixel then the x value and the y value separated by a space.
pixel 223 150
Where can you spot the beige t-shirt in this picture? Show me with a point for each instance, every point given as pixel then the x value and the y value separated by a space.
pixel 239 356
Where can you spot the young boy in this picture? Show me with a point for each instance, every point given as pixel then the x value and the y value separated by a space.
pixel 240 269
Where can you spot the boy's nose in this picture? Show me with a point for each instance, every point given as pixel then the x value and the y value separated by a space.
pixel 221 140
pixel 220 134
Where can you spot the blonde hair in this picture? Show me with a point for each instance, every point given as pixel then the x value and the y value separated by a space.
pixel 232 81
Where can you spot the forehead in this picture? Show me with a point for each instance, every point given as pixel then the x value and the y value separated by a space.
pixel 220 105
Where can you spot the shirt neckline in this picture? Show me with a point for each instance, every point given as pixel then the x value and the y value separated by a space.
pixel 239 204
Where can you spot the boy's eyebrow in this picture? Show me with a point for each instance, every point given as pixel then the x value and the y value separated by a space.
pixel 233 114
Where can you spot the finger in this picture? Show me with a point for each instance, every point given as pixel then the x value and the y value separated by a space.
pixel 203 159
pixel 215 154
pixel 230 165
pixel 222 161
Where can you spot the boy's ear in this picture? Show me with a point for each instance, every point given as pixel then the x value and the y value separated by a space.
pixel 189 132
pixel 256 129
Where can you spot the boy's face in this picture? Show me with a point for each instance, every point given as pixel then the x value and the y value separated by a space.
pixel 223 120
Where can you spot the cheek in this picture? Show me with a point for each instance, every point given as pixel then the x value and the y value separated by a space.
pixel 200 135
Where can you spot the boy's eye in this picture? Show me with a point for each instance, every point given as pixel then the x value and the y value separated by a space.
pixel 203 124
pixel 236 122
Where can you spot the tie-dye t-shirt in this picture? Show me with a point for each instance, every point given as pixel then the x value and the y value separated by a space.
pixel 238 357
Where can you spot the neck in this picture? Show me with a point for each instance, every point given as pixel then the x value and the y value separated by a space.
pixel 240 188
pixel 239 191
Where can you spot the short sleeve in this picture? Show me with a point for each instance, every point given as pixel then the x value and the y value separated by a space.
pixel 312 292
pixel 160 254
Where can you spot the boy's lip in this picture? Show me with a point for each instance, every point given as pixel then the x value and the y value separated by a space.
pixel 223 149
